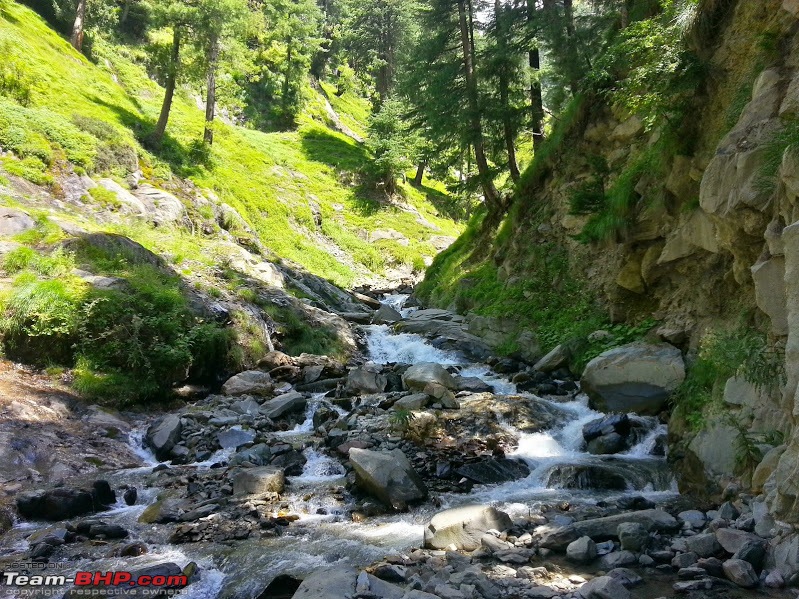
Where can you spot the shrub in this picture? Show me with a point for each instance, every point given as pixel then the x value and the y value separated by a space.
pixel 105 197
pixel 40 318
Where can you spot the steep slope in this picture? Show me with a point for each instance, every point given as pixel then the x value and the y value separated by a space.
pixel 298 191
pixel 676 232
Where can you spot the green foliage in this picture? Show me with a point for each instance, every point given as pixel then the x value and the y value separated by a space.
pixel 392 144
pixel 30 168
pixel 105 197
pixel 58 263
pixel 15 83
pixel 584 349
pixel 587 197
pixel 785 140
pixel 723 354
pixel 401 419
pixel 297 335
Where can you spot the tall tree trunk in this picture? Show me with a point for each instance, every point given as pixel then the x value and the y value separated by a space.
pixel 169 91
pixel 536 97
pixel 210 100
pixel 504 94
pixel 490 192
pixel 77 28
pixel 125 12
pixel 571 46
pixel 417 180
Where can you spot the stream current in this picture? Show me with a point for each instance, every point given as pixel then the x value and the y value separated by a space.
pixel 325 535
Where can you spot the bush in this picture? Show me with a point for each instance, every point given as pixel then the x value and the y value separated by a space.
pixel 723 354
pixel 40 318
pixel 105 197
pixel 31 168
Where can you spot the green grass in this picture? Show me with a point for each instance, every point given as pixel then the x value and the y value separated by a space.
pixel 97 116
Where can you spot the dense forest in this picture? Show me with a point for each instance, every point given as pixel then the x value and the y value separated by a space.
pixel 466 91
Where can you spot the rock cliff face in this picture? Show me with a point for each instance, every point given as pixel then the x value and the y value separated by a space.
pixel 715 238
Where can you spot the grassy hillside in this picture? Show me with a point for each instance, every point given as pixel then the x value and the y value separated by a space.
pixel 297 190
pixel 125 323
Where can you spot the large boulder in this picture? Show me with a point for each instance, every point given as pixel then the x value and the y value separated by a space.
pixel 249 382
pixel 464 526
pixel 363 381
pixel 638 377
pixel 13 222
pixel 491 471
pixel 284 404
pixel 418 376
pixel 388 476
pixel 604 587
pixel 258 481
pixel 62 503
pixel 163 434
pixel 330 583
pixel 385 314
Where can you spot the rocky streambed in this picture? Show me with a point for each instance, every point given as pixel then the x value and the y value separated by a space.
pixel 429 470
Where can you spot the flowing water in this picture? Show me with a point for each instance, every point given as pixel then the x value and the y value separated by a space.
pixel 324 535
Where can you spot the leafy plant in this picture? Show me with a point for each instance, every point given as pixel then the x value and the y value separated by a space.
pixel 400 420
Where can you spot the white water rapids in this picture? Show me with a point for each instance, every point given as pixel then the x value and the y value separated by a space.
pixel 325 534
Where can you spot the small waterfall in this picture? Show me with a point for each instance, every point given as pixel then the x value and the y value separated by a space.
pixel 408 348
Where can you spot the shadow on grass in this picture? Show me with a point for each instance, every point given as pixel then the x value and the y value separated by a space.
pixel 322 146
pixel 448 205
pixel 185 160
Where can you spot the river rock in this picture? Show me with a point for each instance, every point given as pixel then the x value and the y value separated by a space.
pixel 741 573
pixel 472 384
pixel 385 314
pixel 330 583
pixel 415 401
pixel 361 381
pixel 604 587
pixel 753 552
pixel 638 377
pixel 556 358
pixel 55 504
pixel 418 376
pixel 258 481
pixel 626 577
pixel 704 545
pixel 463 527
pixel 601 529
pixel 388 476
pixel 617 559
pixel 633 536
pixel 581 551
pixel 284 404
pixel 732 539
pixel 163 434
pixel 494 470
pixel 249 382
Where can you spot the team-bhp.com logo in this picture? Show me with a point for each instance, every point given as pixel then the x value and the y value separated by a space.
pixel 95 583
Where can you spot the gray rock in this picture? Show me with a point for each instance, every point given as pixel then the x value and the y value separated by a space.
pixel 162 207
pixel 13 222
pixel 369 585
pixel 753 552
pixel 604 587
pixel 600 529
pixel 693 518
pixel 472 384
pixel 463 527
pixel 557 358
pixel 626 577
pixel 163 434
pixel 633 536
pixel 581 551
pixel 361 381
pixel 741 573
pixel 258 481
pixel 638 377
pixel 494 470
pixel 774 580
pixel 704 545
pixel 330 583
pixel 728 511
pixel 386 315
pixel 388 476
pixel 415 401
pixel 246 406
pixel 249 382
pixel 418 376
pixel 684 560
pixel 284 404
pixel 732 540
pixel 618 559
